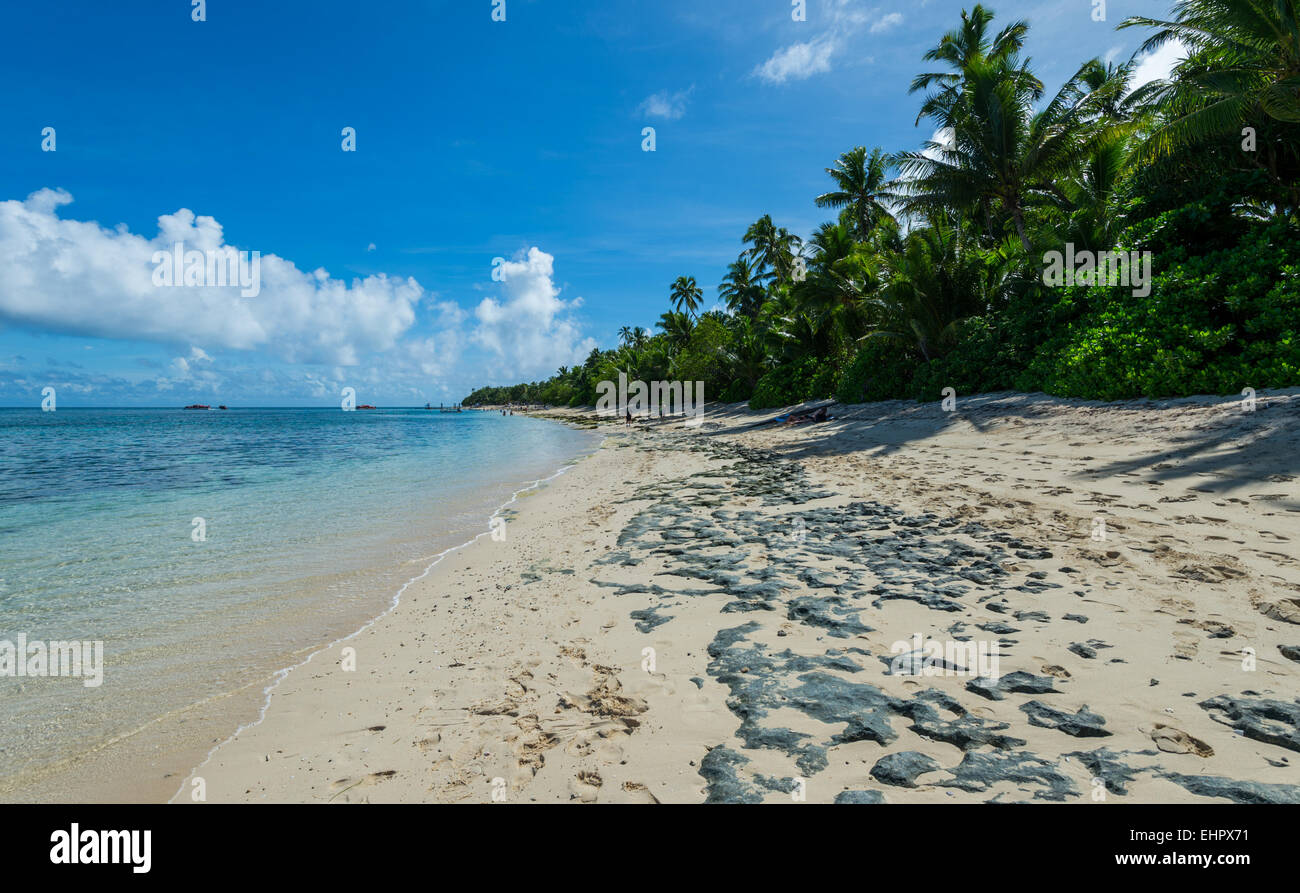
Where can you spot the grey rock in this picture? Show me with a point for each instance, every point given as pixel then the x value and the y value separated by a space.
pixel 901 769
pixel 1083 724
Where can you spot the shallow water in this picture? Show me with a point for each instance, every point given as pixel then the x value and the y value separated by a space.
pixel 312 521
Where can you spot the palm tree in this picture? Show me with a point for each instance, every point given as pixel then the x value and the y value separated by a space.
pixel 965 49
pixel 746 354
pixel 686 295
pixel 677 326
pixel 1242 69
pixel 861 180
pixel 1093 220
pixel 1109 85
pixel 742 288
pixel 832 294
pixel 639 338
pixel 773 248
pixel 940 278
pixel 625 336
pixel 1003 158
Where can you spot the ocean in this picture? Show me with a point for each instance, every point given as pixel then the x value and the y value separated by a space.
pixel 208 549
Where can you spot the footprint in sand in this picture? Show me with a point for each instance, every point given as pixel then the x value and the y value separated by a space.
pixel 585 787
pixel 1171 740
pixel 1185 647
pixel 639 792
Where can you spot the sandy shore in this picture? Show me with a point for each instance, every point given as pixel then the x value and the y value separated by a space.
pixel 719 615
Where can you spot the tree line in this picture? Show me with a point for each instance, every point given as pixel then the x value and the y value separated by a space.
pixel 931 275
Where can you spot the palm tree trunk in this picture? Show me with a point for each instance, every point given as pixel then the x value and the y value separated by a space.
pixel 1020 229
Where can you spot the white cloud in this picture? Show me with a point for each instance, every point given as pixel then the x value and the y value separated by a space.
pixel 885 22
pixel 77 277
pixel 1157 64
pixel 847 18
pixel 946 137
pixel 799 61
pixel 530 330
pixel 670 107
pixel 305 336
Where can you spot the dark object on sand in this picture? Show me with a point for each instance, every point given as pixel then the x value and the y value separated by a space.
pixel 802 417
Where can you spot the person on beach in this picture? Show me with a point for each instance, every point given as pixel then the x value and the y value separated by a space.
pixel 628 421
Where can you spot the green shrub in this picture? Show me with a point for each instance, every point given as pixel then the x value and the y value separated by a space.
pixel 823 382
pixel 735 392
pixel 882 370
pixel 982 360
pixel 791 383
pixel 1214 323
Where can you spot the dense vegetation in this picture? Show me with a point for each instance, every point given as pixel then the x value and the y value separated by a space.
pixel 932 275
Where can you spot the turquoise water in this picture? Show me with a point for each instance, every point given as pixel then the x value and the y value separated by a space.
pixel 313 520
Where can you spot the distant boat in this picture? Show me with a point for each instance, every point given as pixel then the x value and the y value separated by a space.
pixel 223 407
pixel 367 406
pixel 200 406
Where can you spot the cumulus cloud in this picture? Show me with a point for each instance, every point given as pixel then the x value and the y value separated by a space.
pixel 77 277
pixel 799 60
pixel 1157 64
pixel 670 107
pixel 941 139
pixel 804 59
pixel 530 330
pixel 306 335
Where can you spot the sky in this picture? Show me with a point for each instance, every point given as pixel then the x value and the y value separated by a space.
pixel 439 199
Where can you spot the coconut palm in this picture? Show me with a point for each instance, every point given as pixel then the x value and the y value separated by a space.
pixel 677 326
pixel 773 247
pixel 686 295
pixel 861 179
pixel 746 353
pixel 1003 157
pixel 1109 84
pixel 742 288
pixel 941 277
pixel 1242 70
pixel 1093 221
pixel 839 277
pixel 1244 57
pixel 966 49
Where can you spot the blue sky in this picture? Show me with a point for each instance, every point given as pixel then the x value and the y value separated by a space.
pixel 475 140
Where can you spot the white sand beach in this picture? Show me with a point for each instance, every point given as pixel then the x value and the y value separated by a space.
pixel 712 614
